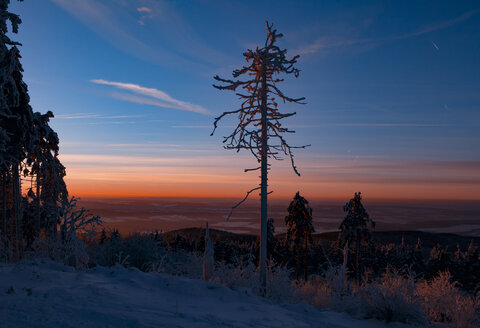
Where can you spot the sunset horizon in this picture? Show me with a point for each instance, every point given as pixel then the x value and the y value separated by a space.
pixel 138 123
pixel 253 163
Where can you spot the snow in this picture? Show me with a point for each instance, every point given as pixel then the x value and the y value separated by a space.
pixel 41 293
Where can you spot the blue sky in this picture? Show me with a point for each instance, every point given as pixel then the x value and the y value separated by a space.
pixel 392 89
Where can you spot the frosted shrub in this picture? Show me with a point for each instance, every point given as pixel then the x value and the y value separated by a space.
pixel 108 252
pixel 138 250
pixel 71 251
pixel 74 222
pixel 75 253
pixel 141 250
pixel 279 287
pixel 337 280
pixel 179 263
pixel 392 298
pixel 232 275
pixel 333 290
pixel 317 292
pixel 5 252
pixel 442 301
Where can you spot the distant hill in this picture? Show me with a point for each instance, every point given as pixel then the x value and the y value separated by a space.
pixel 428 239
pixel 197 233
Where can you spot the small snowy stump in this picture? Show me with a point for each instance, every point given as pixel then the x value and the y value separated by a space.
pixel 208 256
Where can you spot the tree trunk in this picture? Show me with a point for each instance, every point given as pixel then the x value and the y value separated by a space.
pixel 208 257
pixel 357 260
pixel 305 257
pixel 263 189
pixel 4 208
pixel 18 217
pixel 37 206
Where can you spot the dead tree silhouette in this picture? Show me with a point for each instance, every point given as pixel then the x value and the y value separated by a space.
pixel 259 119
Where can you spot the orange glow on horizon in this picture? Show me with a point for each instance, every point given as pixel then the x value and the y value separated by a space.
pixel 119 176
pixel 332 190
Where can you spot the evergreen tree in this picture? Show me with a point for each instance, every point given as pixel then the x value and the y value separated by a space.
pixel 354 229
pixel 16 122
pixel 271 239
pixel 28 146
pixel 299 233
pixel 49 173
pixel 259 118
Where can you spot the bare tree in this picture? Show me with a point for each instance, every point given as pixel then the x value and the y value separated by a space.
pixel 259 129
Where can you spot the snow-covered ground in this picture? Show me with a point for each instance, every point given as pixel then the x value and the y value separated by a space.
pixel 45 294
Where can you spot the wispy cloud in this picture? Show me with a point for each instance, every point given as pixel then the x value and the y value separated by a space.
pixel 176 42
pixel 98 17
pixel 138 148
pixel 192 126
pixel 329 43
pixel 325 43
pixel 197 163
pixel 160 98
pixel 438 26
pixel 77 116
pixel 136 145
pixel 146 14
pixel 387 125
pixel 144 10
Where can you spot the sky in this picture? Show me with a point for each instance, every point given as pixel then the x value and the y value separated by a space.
pixel 392 91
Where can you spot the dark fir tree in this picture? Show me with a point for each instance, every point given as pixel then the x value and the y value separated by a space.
pixel 28 147
pixel 16 122
pixel 271 239
pixel 355 229
pixel 48 173
pixel 259 129
pixel 299 233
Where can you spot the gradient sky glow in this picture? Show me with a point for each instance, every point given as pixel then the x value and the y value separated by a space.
pixel 393 92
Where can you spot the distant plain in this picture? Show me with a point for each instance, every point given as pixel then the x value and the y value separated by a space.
pixel 130 215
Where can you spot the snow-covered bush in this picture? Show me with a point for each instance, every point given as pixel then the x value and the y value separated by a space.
pixel 333 290
pixel 442 301
pixel 75 223
pixel 179 263
pixel 394 297
pixel 236 275
pixel 5 252
pixel 279 285
pixel 77 231
pixel 391 298
pixel 109 250
pixel 141 250
pixel 138 250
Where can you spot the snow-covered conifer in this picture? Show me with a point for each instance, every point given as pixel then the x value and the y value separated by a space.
pixel 28 146
pixel 300 229
pixel 271 239
pixel 355 228
pixel 16 121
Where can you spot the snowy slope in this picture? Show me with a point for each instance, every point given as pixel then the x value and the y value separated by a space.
pixel 45 294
